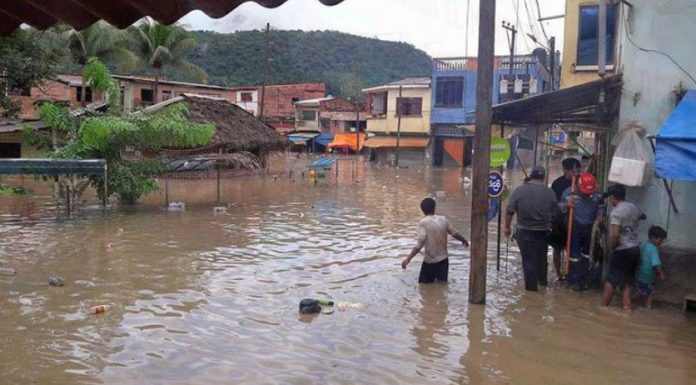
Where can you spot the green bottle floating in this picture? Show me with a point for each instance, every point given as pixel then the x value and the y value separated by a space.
pixel 325 301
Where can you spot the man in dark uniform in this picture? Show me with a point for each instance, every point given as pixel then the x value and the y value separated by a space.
pixel 557 237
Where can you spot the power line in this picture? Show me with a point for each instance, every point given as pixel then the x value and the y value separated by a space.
pixel 516 4
pixel 628 36
pixel 540 22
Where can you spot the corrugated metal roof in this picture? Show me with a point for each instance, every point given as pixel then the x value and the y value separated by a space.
pixel 416 82
pixel 420 81
pixel 80 14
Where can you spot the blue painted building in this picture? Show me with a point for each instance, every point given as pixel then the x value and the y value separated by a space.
pixel 454 98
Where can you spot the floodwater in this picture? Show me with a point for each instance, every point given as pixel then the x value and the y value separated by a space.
pixel 200 298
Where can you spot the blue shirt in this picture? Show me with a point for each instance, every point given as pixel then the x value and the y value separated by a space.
pixel 649 260
pixel 586 208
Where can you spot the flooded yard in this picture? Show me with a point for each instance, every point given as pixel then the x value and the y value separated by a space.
pixel 203 298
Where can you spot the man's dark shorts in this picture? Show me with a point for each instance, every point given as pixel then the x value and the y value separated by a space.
pixel 622 267
pixel 431 272
pixel 644 289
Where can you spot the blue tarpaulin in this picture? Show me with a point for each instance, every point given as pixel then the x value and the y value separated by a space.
pixel 324 139
pixel 675 152
pixel 324 163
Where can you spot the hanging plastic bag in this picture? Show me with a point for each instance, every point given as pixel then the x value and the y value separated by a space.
pixel 633 161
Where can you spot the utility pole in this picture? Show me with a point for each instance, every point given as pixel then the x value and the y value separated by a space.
pixel 265 74
pixel 511 42
pixel 398 125
pixel 482 145
pixel 552 62
pixel 357 126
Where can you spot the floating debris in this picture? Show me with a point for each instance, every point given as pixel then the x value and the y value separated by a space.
pixel 176 206
pixel 98 309
pixel 309 306
pixel 55 281
pixel 7 271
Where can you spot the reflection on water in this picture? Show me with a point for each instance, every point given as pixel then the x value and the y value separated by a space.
pixel 199 298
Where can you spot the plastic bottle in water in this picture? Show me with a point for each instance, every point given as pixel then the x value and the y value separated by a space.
pixel 98 309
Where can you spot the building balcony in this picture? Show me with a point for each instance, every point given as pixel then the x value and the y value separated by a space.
pixel 452 64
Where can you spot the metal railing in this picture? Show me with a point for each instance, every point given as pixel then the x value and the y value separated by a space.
pixel 451 64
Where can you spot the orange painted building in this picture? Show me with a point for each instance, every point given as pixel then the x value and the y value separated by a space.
pixel 65 89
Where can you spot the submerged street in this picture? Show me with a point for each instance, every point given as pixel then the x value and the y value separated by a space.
pixel 201 298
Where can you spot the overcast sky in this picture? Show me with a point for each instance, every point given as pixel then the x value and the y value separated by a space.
pixel 435 26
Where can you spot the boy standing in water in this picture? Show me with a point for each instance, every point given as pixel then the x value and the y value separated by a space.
pixel 624 239
pixel 432 233
pixel 650 264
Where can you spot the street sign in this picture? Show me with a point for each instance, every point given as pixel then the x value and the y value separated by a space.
pixel 500 151
pixel 493 206
pixel 496 184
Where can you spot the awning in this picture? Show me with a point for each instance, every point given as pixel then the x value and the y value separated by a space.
pixel 348 140
pixel 390 141
pixel 324 139
pixel 301 139
pixel 120 13
pixel 53 166
pixel 675 151
pixel 595 103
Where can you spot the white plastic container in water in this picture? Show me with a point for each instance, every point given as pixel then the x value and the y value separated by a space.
pixel 629 172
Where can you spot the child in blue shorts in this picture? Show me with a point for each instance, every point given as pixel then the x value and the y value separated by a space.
pixel 650 264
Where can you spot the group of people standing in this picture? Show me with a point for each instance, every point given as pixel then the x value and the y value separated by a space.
pixel 573 208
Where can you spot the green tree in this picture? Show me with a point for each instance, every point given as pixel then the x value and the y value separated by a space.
pixel 163 46
pixel 100 40
pixel 27 59
pixel 107 136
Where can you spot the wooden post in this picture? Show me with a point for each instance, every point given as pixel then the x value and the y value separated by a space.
pixel 218 185
pixel 500 211
pixel 569 234
pixel 398 126
pixel 106 186
pixel 482 145
pixel 262 106
pixel 166 191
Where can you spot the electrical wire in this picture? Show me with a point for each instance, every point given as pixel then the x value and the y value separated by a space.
pixel 543 30
pixel 516 4
pixel 630 39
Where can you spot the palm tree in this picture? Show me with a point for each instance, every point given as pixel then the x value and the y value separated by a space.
pixel 102 41
pixel 159 45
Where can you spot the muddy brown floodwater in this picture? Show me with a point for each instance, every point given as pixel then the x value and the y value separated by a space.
pixel 198 298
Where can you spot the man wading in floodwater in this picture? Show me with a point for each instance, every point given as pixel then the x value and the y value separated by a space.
pixel 432 233
pixel 535 205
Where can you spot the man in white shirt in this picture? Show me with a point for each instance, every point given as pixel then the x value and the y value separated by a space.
pixel 432 233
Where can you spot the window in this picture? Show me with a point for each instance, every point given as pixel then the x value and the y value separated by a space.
pixel 379 104
pixel 309 115
pixel 87 97
pixel 588 35
pixel 409 106
pixel 247 97
pixel 325 123
pixel 10 150
pixel 449 91
pixel 147 95
pixel 166 94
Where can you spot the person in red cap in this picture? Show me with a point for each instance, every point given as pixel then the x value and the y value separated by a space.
pixel 587 209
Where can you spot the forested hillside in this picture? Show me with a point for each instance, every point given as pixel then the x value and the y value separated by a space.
pixel 346 63
pixel 297 56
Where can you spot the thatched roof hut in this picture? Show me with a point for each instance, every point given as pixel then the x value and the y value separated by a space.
pixel 235 129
